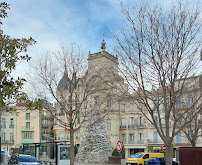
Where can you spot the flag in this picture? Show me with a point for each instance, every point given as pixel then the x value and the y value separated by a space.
pixel 65 127
pixel 121 127
pixel 75 124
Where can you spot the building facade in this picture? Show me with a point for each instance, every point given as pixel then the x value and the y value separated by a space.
pixel 123 116
pixel 8 127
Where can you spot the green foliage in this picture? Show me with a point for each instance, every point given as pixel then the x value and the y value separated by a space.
pixel 12 51
pixel 115 153
pixel 3 7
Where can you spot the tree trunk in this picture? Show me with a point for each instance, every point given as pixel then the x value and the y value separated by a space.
pixel 193 143
pixel 71 146
pixel 169 154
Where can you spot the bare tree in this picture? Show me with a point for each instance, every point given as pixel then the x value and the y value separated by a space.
pixel 193 129
pixel 74 91
pixel 158 49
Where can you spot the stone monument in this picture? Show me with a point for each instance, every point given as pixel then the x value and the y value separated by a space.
pixel 95 146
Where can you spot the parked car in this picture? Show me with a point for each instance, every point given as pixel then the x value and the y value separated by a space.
pixel 23 160
pixel 142 158
pixel 158 161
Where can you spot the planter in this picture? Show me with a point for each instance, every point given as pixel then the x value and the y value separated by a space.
pixel 114 160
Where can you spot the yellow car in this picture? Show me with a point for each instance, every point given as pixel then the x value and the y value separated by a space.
pixel 142 158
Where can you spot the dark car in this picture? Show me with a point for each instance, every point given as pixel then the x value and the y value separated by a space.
pixel 158 161
pixel 23 160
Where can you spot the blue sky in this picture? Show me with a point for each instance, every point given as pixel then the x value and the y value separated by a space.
pixel 51 23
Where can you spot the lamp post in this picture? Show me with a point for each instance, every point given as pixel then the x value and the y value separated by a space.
pixel 1 32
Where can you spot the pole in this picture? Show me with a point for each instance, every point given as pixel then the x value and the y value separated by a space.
pixel 1 32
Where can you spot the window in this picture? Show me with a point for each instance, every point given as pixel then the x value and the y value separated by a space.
pixel 178 102
pixel 123 122
pixel 140 138
pixel 11 123
pixel 68 135
pixel 123 138
pixel 3 123
pixel 11 137
pixel 155 134
pixel 179 138
pixel 45 122
pixel 85 104
pixel 62 136
pixel 168 102
pixel 131 139
pixel 189 101
pixel 78 135
pixel 109 125
pixel 97 100
pixel 78 120
pixel 156 119
pixel 131 122
pixel 122 107
pixel 154 105
pixel 45 131
pixel 27 116
pixel 3 137
pixel 178 120
pixel 77 97
pixel 131 107
pixel 140 124
pixel 61 112
pixel 185 86
pixel 27 135
pixel 108 101
pixel 27 125
pixel 139 105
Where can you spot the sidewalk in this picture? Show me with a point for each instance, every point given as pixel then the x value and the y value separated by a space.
pixel 123 162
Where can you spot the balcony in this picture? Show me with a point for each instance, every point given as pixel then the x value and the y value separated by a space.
pixel 31 129
pixel 140 126
pixel 154 141
pixel 45 125
pixel 131 126
pixel 61 138
pixel 7 141
pixel 140 141
pixel 123 126
pixel 11 126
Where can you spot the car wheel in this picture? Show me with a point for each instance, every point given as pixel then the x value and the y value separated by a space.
pixel 140 164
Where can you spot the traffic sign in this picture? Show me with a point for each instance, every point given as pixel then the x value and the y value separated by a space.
pixel 119 146
pixel 164 148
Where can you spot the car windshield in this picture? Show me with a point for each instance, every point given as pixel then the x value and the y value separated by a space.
pixel 27 159
pixel 137 155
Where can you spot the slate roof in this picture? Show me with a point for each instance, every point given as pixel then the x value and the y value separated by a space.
pixel 64 82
